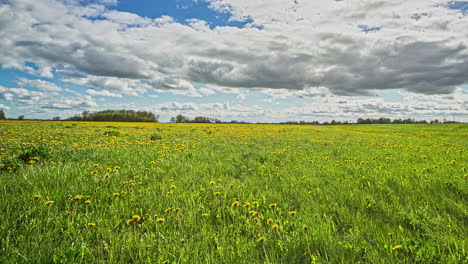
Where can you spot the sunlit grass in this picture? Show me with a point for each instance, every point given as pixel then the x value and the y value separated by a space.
pixel 154 193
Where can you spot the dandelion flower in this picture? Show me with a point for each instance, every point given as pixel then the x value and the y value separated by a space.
pixel 305 227
pixel 212 182
pixel 160 220
pixel 130 221
pixel 87 202
pixel 37 196
pixel 261 239
pixel 205 214
pixel 273 205
pixel 49 202
pixel 217 193
pixel 116 194
pixel 235 204
pixel 292 213
pixel 176 209
pixel 270 221
pixel 253 213
pixel 275 227
pixel 168 210
pixel 78 197
pixel 136 217
pixel 91 224
pixel 166 262
pixel 397 247
pixel 246 204
pixel 255 203
pixel 173 186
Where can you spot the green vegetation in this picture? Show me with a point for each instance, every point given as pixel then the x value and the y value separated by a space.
pixel 116 116
pixel 84 192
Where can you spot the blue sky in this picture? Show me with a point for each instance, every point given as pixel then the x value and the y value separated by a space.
pixel 258 61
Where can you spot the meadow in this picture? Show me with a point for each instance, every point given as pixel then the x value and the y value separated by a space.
pixel 95 192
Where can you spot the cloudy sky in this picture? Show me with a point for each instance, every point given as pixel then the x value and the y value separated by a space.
pixel 252 60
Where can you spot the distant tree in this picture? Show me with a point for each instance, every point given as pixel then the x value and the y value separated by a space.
pixel 181 119
pixel 116 116
pixel 57 118
pixel 2 114
pixel 21 117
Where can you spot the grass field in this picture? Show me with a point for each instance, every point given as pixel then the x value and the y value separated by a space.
pixel 77 192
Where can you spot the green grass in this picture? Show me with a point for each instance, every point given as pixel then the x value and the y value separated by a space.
pixel 366 194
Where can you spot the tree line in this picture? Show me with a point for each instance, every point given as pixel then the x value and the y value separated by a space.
pixel 116 116
pixel 199 119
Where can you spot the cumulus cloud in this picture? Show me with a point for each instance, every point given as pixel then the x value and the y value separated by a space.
pixel 347 47
pixel 103 93
pixel 4 107
pixel 39 84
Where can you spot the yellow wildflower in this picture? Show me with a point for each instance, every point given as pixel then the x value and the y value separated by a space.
pixel 261 239
pixel 235 204
pixel 49 202
pixel 397 247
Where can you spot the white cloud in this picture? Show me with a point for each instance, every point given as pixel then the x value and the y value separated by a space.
pixel 103 93
pixel 39 84
pixel 4 107
pixel 302 44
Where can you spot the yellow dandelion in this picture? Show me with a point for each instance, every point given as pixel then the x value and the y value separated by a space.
pixel 246 204
pixel 49 202
pixel 292 213
pixel 116 194
pixel 270 221
pixel 169 193
pixel 160 220
pixel 176 209
pixel 37 196
pixel 78 197
pixel 273 205
pixel 166 262
pixel 275 227
pixel 305 227
pixel 231 185
pixel 136 217
pixel 212 182
pixel 261 239
pixel 69 196
pixel 91 224
pixel 173 186
pixel 219 180
pixel 217 193
pixel 255 203
pixel 235 204
pixel 130 221
pixel 253 213
pixel 168 210
pixel 397 247
pixel 205 214
pixel 87 202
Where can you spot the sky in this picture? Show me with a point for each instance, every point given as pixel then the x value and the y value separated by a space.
pixel 244 60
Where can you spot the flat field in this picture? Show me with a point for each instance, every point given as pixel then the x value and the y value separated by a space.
pixel 80 192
